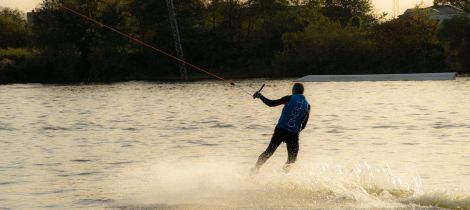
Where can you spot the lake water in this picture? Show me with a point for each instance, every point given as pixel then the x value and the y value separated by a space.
pixel 136 145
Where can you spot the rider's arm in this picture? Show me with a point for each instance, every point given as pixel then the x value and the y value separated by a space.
pixel 305 121
pixel 271 103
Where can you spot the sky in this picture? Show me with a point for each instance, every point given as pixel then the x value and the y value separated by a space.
pixel 380 5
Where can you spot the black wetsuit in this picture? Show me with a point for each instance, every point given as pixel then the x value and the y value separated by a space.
pixel 281 135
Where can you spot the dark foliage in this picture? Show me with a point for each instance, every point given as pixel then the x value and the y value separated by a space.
pixel 233 38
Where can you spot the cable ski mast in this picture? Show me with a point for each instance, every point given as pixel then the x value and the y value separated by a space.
pixel 396 8
pixel 176 38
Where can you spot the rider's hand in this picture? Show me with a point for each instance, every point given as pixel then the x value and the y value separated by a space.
pixel 257 95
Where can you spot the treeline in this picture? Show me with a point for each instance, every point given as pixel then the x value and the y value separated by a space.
pixel 233 38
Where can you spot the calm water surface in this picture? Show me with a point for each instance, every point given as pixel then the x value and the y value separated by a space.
pixel 368 145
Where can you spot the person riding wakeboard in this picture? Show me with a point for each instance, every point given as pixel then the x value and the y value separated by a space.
pixel 294 118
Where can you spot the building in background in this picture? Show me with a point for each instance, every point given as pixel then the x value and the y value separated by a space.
pixel 438 12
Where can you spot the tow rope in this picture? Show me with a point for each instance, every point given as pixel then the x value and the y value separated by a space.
pixel 142 43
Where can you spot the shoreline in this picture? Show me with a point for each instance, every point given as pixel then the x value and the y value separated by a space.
pixel 176 80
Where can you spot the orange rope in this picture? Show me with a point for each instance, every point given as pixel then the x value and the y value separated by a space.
pixel 138 41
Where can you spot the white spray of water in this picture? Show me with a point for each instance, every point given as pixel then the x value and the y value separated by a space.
pixel 220 185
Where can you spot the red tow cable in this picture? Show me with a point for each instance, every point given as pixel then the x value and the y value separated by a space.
pixel 140 42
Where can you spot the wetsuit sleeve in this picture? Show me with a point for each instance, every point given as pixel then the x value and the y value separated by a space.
pixel 305 121
pixel 277 102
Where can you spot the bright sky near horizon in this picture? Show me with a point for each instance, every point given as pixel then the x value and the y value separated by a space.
pixel 380 5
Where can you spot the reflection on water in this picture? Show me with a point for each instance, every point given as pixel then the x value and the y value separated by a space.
pixel 369 145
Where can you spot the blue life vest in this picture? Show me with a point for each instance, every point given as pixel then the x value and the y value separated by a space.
pixel 293 113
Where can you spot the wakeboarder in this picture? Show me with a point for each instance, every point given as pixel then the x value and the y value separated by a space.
pixel 294 118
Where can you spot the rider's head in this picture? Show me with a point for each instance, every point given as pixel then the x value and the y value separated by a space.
pixel 298 88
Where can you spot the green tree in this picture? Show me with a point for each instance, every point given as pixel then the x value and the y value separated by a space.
pixel 454 33
pixel 325 47
pixel 152 25
pixel 14 32
pixel 410 44
pixel 64 39
pixel 272 19
pixel 344 10
pixel 234 38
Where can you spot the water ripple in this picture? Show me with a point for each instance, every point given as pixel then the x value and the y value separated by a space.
pixel 94 140
pixel 82 160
